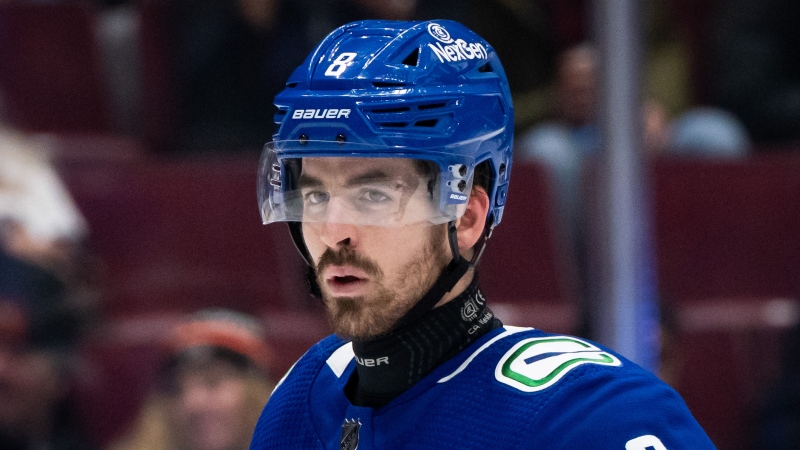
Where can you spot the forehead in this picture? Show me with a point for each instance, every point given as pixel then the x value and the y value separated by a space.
pixel 333 169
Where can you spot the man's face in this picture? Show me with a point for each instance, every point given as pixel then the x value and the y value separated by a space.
pixel 370 275
pixel 577 82
pixel 207 407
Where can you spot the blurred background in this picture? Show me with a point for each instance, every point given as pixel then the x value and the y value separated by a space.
pixel 130 133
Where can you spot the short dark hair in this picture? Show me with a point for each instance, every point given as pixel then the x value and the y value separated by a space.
pixel 484 176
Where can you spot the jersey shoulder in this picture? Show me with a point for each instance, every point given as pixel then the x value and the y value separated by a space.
pixel 286 419
pixel 533 361
pixel 572 390
pixel 529 360
pixel 332 352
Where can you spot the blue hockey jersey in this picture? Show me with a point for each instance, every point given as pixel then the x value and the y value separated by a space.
pixel 515 388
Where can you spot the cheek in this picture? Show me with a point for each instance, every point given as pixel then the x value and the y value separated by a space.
pixel 230 395
pixel 399 247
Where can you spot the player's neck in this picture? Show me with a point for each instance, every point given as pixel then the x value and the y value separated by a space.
pixel 460 287
pixel 388 365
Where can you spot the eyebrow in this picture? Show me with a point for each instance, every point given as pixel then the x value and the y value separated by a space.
pixel 307 181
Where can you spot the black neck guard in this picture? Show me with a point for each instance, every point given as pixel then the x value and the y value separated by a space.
pixel 392 363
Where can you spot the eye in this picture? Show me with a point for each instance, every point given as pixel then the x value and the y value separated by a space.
pixel 374 196
pixel 316 197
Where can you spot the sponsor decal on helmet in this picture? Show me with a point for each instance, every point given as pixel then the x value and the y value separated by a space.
pixel 536 364
pixel 320 113
pixel 454 50
pixel 460 50
pixel 439 33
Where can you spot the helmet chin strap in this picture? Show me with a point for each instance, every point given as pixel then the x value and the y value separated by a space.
pixel 444 284
pixel 449 277
pixel 296 232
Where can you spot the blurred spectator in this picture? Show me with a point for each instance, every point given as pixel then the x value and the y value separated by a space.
pixel 232 57
pixel 214 383
pixel 757 70
pixel 39 222
pixel 46 299
pixel 566 142
pixel 39 327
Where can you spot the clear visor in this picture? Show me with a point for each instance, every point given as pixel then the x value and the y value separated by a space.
pixel 356 189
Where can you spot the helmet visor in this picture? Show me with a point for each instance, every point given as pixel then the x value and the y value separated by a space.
pixel 363 187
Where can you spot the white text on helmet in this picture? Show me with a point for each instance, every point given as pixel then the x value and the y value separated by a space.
pixel 459 51
pixel 320 113
pixel 340 64
pixel 458 197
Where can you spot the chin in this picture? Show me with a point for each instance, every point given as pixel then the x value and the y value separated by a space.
pixel 353 329
pixel 351 320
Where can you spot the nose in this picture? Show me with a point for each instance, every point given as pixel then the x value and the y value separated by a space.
pixel 337 230
pixel 195 394
pixel 338 235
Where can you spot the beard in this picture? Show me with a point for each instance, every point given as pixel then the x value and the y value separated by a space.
pixel 366 317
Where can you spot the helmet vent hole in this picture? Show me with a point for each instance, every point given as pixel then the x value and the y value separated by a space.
pixel 396 109
pixel 394 124
pixel 412 59
pixel 291 85
pixel 387 84
pixel 430 123
pixel 486 68
pixel 431 106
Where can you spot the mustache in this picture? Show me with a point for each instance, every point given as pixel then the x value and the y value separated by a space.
pixel 347 256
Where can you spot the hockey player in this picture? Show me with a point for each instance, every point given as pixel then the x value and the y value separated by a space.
pixel 391 167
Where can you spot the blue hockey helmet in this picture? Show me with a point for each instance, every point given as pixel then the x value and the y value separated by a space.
pixel 431 91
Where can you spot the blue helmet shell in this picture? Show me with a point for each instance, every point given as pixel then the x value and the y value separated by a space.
pixel 429 90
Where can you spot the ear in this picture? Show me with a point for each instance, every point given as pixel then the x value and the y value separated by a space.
pixel 471 225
